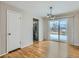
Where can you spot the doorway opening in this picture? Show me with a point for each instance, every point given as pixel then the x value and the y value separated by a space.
pixel 58 30
pixel 35 30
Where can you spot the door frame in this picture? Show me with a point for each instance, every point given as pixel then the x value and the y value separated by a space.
pixel 34 19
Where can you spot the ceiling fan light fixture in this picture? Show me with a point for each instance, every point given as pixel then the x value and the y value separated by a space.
pixel 50 16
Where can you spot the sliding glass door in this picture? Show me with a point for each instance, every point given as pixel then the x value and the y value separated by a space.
pixel 58 30
pixel 63 30
pixel 53 25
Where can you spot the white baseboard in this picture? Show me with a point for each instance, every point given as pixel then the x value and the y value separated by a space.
pixel 2 54
pixel 23 46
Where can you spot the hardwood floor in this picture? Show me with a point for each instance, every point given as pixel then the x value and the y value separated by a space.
pixel 45 49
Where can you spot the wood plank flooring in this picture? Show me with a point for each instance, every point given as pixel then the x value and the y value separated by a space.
pixel 45 49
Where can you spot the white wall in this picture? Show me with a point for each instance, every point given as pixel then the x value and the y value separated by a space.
pixel 70 30
pixel 45 29
pixel 27 29
pixel 76 29
pixel 41 29
pixel 3 30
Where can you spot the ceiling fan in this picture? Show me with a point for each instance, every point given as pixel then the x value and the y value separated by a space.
pixel 50 15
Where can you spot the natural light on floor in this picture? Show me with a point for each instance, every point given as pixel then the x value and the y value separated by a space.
pixel 63 38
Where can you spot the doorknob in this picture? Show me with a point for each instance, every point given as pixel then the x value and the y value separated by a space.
pixel 9 33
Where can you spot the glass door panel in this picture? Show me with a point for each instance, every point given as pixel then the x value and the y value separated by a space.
pixel 58 30
pixel 53 25
pixel 63 30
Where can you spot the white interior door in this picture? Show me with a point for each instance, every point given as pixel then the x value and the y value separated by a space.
pixel 13 30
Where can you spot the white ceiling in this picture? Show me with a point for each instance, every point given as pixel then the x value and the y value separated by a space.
pixel 41 8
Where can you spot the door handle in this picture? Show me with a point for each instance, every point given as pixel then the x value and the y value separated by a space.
pixel 9 33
